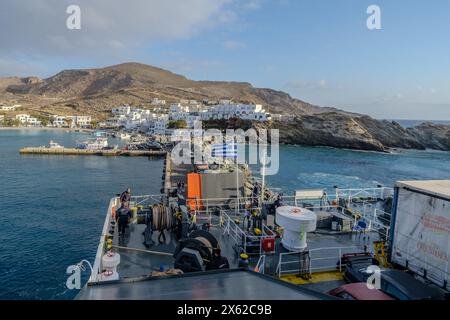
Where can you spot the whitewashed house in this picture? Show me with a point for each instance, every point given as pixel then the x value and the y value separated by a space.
pixel 59 121
pixel 9 108
pixel 158 102
pixel 159 125
pixel 83 121
pixel 122 110
pixel 28 120
pixel 23 118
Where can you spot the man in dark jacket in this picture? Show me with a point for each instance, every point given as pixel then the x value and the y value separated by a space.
pixel 125 197
pixel 123 216
pixel 219 262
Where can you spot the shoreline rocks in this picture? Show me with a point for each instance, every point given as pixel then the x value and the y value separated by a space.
pixel 359 133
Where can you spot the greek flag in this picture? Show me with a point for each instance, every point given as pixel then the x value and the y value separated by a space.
pixel 225 150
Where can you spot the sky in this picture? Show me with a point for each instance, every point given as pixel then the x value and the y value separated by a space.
pixel 320 51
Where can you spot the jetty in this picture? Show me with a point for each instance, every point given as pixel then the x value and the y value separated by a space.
pixel 88 152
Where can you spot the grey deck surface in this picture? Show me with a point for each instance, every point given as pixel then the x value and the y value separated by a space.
pixel 137 264
pixel 226 285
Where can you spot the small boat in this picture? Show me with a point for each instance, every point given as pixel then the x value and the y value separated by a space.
pixel 93 144
pixel 54 145
pixel 125 136
pixel 100 134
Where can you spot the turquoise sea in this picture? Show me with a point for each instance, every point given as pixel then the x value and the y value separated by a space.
pixel 52 208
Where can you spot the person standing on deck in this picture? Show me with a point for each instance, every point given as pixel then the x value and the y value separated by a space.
pixel 123 216
pixel 219 262
pixel 125 197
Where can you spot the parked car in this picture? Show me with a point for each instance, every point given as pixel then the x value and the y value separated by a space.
pixel 358 291
pixel 356 266
pixel 398 284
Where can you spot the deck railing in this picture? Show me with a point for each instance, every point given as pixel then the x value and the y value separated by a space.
pixel 241 238
pixel 102 246
pixel 318 262
pixel 329 202
pixel 261 265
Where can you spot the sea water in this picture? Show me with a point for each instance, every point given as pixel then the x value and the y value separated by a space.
pixel 53 207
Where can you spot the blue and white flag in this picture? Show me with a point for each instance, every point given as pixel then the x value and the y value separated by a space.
pixel 226 151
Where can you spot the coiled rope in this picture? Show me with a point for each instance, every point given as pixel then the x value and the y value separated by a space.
pixel 162 220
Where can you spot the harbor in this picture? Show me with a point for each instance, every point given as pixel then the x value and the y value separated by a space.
pixel 91 152
pixel 207 226
pixel 97 179
pixel 98 145
pixel 173 236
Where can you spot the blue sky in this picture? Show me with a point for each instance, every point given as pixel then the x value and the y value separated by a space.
pixel 317 50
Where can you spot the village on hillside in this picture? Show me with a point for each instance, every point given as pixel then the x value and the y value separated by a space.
pixel 159 120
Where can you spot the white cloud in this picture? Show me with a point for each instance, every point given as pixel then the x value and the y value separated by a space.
pixel 232 45
pixel 323 83
pixel 301 85
pixel 253 4
pixel 10 67
pixel 39 26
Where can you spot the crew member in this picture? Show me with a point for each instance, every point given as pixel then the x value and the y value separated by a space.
pixel 278 202
pixel 243 261
pixel 123 216
pixel 125 197
pixel 219 262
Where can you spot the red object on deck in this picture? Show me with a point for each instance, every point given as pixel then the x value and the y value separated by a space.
pixel 194 191
pixel 268 244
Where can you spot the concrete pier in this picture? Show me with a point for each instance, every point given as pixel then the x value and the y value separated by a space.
pixel 85 152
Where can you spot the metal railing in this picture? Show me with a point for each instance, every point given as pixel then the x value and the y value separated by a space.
pixel 146 199
pixel 362 194
pixel 241 238
pixel 317 261
pixel 102 246
pixel 261 265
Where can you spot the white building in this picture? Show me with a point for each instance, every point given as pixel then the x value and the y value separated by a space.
pixel 177 108
pixel 83 121
pixel 223 111
pixel 277 117
pixel 33 121
pixel 122 110
pixel 59 121
pixel 159 126
pixel 158 102
pixel 253 112
pixel 28 120
pixel 23 118
pixel 224 101
pixel 73 121
pixel 9 108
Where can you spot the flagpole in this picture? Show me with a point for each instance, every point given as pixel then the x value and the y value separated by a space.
pixel 237 182
pixel 263 178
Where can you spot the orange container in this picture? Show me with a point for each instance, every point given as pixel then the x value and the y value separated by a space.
pixel 194 191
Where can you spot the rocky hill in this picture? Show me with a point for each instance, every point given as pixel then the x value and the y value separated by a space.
pixel 360 132
pixel 96 91
pixel 99 89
